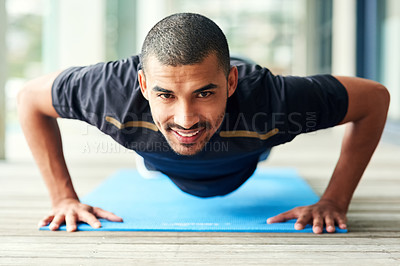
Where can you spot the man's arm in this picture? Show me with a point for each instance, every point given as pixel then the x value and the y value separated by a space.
pixel 38 121
pixel 365 118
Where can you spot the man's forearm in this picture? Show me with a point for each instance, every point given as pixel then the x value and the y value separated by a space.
pixel 38 121
pixel 359 143
pixel 44 139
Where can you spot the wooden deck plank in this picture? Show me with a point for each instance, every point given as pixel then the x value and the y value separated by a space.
pixel 155 251
pixel 374 218
pixel 148 238
pixel 195 261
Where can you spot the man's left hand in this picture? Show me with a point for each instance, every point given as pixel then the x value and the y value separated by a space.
pixel 323 212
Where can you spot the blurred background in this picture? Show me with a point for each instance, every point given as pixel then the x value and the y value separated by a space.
pixel 290 37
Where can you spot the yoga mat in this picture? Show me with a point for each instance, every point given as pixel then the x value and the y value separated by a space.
pixel 158 205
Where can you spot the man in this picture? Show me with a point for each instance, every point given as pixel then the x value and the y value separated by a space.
pixel 183 96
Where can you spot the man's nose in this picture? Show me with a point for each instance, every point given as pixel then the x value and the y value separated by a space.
pixel 185 116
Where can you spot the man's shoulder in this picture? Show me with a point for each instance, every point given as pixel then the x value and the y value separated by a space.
pixel 245 66
pixel 126 67
pixel 100 87
pixel 253 79
pixel 250 74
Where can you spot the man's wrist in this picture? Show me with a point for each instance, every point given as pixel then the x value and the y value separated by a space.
pixel 55 200
pixel 341 203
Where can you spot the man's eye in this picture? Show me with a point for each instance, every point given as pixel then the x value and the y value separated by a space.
pixel 165 96
pixel 205 94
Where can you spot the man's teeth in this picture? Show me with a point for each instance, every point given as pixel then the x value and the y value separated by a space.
pixel 187 134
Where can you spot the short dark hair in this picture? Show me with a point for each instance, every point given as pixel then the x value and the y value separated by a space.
pixel 186 39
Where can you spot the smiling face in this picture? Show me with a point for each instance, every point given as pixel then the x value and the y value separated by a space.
pixel 187 102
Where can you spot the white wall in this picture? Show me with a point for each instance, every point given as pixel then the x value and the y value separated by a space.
pixel 149 12
pixel 74 33
pixel 344 37
pixel 2 77
pixel 391 56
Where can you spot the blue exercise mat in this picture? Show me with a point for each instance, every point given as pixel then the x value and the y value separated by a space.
pixel 158 205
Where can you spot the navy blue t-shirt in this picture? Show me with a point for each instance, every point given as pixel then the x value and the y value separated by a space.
pixel 266 110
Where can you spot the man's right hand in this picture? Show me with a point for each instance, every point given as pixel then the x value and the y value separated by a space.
pixel 38 121
pixel 72 211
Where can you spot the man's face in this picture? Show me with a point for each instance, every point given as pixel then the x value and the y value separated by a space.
pixel 187 102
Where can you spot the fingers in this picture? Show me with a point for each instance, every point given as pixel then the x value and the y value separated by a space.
pixel 45 221
pixel 283 217
pixel 57 221
pixel 90 219
pixel 303 220
pixel 318 215
pixel 106 215
pixel 330 224
pixel 318 224
pixel 319 220
pixel 341 221
pixel 338 219
pixel 71 220
pixel 72 211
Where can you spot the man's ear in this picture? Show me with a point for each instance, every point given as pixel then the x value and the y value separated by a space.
pixel 232 80
pixel 142 83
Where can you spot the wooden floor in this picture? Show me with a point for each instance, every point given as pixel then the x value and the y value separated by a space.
pixel 374 215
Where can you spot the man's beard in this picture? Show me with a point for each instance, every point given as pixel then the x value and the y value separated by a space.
pixel 190 149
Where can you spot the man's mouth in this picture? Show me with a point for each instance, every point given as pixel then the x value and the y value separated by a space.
pixel 188 136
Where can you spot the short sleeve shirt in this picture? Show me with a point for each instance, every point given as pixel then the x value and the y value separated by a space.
pixel 266 110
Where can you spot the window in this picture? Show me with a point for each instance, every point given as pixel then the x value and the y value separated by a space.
pixel 378 42
pixel 268 32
